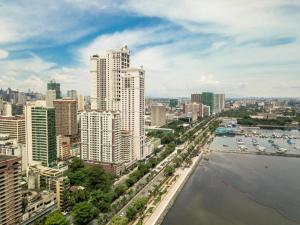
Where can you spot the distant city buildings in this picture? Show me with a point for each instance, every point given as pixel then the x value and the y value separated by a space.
pixel 194 110
pixel 72 94
pixel 196 98
pixel 53 85
pixel 173 103
pixel 16 97
pixel 208 98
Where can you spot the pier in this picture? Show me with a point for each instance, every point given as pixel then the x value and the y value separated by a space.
pixel 259 153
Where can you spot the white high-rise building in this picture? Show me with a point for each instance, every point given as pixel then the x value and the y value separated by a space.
pixel 101 138
pixel 106 78
pixel 116 87
pixel 133 108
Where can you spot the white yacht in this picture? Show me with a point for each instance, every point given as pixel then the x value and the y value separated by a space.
pixel 260 148
pixel 281 150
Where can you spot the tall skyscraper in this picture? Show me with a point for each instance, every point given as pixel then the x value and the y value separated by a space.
pixel 66 117
pixel 133 107
pixel 106 78
pixel 196 98
pixel 10 191
pixel 101 139
pixel 40 133
pixel 53 85
pixel 158 115
pixel 50 97
pixel 220 102
pixel 208 98
pixel 14 126
pixel 115 87
pixel 72 94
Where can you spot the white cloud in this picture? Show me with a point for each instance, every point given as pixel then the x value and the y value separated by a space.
pixel 3 54
pixel 32 82
pixel 134 38
pixel 31 72
pixel 208 79
pixel 238 17
pixel 46 22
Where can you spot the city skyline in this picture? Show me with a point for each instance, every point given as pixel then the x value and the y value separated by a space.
pixel 240 48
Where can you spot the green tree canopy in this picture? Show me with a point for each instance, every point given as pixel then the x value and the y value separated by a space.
pixel 136 207
pixel 76 164
pixel 119 220
pixel 56 218
pixel 169 170
pixel 102 200
pixel 84 212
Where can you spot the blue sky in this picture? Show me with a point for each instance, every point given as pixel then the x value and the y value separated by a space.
pixel 240 47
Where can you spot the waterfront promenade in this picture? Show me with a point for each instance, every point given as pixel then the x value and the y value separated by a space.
pixel 163 206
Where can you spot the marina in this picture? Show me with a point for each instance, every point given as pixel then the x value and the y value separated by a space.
pixel 258 141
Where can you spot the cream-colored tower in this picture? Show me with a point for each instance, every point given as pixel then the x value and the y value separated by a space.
pixel 105 77
pixel 133 108
pixel 116 87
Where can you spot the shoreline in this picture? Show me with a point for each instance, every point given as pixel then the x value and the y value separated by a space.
pixel 161 210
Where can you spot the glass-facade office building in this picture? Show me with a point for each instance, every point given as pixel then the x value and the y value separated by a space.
pixel 43 135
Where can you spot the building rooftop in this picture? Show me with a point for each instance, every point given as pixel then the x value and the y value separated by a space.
pixel 64 100
pixel 4 158
pixel 12 117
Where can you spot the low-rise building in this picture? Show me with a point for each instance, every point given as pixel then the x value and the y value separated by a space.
pixel 45 178
pixel 63 147
pixel 38 202
pixel 14 126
